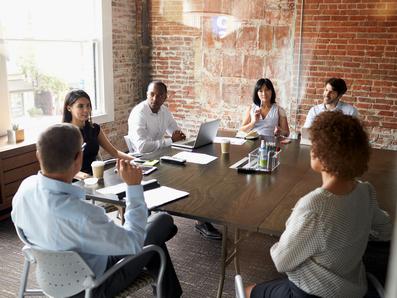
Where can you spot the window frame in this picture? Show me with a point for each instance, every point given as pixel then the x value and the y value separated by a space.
pixel 103 77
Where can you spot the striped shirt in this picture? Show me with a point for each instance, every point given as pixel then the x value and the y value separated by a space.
pixel 325 238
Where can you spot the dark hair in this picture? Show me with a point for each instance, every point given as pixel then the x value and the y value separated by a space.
pixel 70 99
pixel 340 143
pixel 58 146
pixel 159 84
pixel 338 85
pixel 259 84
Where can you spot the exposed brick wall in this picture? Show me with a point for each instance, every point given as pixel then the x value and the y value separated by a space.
pixel 355 40
pixel 126 68
pixel 214 76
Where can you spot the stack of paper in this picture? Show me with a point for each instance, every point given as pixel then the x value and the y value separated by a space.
pixel 154 197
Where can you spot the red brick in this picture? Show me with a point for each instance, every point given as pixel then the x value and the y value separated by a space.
pixel 281 35
pixel 253 67
pixel 265 38
pixel 231 66
pixel 389 125
pixel 247 38
pixel 231 93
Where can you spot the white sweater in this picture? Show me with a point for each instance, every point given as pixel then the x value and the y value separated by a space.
pixel 325 238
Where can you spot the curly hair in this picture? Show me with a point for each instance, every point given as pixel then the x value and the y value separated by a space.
pixel 341 144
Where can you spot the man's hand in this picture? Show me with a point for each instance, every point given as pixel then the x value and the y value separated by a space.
pixel 130 173
pixel 177 135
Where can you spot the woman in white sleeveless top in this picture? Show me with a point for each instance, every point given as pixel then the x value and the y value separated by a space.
pixel 264 116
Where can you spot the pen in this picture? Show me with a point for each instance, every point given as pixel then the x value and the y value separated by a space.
pixel 131 162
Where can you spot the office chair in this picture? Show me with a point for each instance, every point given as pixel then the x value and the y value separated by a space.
pixel 375 288
pixel 238 284
pixel 65 273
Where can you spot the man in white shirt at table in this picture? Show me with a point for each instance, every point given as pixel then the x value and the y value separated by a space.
pixel 54 215
pixel 152 127
pixel 333 91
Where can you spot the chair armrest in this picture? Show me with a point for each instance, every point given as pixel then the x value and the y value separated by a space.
pixel 146 249
pixel 376 284
pixel 238 282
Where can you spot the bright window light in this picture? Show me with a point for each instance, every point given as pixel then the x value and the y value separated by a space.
pixel 51 47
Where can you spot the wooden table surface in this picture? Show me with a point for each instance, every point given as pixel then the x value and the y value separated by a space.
pixel 256 202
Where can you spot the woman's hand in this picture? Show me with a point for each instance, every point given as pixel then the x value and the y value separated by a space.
pixel 81 176
pixel 257 116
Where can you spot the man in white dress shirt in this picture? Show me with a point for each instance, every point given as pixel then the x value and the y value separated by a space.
pixel 151 125
pixel 333 91
pixel 148 124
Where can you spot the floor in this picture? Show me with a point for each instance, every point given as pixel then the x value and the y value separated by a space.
pixel 196 261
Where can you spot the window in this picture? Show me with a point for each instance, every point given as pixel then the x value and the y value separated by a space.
pixel 48 48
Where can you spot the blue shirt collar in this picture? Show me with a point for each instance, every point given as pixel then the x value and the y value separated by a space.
pixel 60 186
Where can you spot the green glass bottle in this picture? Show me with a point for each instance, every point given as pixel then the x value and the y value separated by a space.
pixel 262 158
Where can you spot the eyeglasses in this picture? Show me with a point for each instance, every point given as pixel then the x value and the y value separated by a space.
pixel 83 146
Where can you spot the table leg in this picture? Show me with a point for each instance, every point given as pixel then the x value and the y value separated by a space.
pixel 223 262
pixel 236 250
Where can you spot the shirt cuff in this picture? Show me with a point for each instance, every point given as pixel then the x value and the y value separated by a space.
pixel 134 192
pixel 167 142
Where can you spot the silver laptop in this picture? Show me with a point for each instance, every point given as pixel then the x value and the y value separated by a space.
pixel 206 135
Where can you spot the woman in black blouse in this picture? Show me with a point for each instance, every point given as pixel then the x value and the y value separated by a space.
pixel 77 110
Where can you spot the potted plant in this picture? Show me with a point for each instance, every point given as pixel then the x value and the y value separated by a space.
pixel 19 133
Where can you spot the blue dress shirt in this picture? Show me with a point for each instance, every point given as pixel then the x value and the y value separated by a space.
pixel 55 215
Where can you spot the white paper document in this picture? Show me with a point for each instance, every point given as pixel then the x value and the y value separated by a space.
pixel 114 189
pixel 162 195
pixel 121 187
pixel 233 141
pixel 193 157
pixel 153 197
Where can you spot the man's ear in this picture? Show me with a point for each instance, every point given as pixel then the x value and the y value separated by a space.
pixel 78 155
pixel 38 156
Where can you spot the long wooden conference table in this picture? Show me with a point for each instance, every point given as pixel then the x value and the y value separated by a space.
pixel 252 202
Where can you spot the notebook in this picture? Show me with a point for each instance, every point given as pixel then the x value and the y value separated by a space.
pixel 206 135
pixel 305 137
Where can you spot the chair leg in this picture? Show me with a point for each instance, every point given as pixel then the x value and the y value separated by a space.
pixel 223 262
pixel 88 293
pixel 24 279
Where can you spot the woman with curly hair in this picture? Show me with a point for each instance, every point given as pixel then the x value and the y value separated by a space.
pixel 327 232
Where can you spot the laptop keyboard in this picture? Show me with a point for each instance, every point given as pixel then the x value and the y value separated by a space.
pixel 191 143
